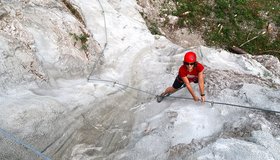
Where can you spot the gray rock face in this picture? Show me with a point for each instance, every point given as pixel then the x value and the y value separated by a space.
pixel 40 42
pixel 47 53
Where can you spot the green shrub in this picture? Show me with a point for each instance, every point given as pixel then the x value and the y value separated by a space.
pixel 232 22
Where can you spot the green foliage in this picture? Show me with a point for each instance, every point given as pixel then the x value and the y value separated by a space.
pixel 82 38
pixel 232 22
pixel 154 29
pixel 191 12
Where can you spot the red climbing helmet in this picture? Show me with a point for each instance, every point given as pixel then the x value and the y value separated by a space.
pixel 190 57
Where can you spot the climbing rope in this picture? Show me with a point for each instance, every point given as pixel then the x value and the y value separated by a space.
pixel 10 136
pixel 212 103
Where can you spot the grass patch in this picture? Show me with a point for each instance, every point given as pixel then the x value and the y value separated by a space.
pixel 225 23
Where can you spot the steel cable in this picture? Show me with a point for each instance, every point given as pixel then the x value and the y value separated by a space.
pixel 10 136
pixel 106 40
pixel 175 97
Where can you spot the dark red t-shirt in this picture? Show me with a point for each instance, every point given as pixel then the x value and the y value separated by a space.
pixel 193 75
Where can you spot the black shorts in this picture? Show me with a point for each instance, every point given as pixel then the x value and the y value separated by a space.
pixel 178 82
